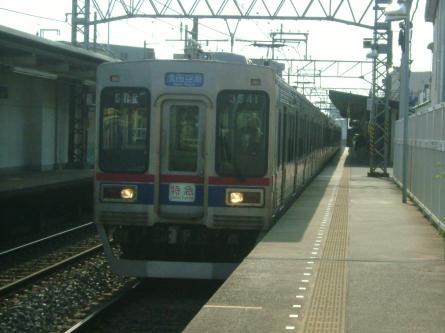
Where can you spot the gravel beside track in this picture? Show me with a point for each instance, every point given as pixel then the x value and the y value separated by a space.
pixel 23 262
pixel 156 305
pixel 59 301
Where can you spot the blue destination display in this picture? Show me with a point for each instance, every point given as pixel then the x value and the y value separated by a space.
pixel 184 79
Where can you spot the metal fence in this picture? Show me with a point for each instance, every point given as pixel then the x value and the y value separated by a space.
pixel 426 161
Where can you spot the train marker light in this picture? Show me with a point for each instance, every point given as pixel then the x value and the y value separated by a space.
pixel 128 193
pixel 236 197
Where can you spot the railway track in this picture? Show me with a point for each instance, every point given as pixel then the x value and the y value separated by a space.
pixel 62 299
pixel 151 305
pixel 25 264
pixel 77 292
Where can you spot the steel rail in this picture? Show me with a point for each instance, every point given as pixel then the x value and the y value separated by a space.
pixel 47 270
pixel 78 327
pixel 39 241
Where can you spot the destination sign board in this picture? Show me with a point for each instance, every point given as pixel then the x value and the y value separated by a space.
pixel 174 79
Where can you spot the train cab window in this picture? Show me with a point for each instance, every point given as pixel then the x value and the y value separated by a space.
pixel 124 118
pixel 242 133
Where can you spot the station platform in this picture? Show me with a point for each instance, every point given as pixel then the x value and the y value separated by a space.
pixel 29 182
pixel 348 256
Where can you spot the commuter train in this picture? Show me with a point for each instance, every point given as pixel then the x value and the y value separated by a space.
pixel 196 159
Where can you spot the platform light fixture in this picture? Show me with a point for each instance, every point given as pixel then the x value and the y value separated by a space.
pixel 372 54
pixel 396 11
pixel 383 2
pixel 369 44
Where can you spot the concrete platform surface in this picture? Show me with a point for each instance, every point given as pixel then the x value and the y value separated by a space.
pixel 348 256
pixel 25 182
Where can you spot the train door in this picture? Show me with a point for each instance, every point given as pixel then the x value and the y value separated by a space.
pixel 181 185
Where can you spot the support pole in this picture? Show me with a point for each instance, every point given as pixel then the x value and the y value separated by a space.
pixel 404 101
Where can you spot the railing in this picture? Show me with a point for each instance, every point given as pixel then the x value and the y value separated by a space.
pixel 426 161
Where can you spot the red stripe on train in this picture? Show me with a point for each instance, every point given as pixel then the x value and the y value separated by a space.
pixel 131 177
pixel 237 181
pixel 124 177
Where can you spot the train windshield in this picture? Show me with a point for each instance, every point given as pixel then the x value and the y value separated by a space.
pixel 124 117
pixel 241 143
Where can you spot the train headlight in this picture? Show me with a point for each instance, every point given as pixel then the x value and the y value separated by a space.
pixel 245 197
pixel 119 193
pixel 128 193
pixel 236 197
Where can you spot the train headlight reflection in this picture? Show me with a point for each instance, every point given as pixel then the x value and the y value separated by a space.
pixel 128 193
pixel 236 197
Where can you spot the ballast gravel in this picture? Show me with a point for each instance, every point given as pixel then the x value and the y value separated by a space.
pixel 60 301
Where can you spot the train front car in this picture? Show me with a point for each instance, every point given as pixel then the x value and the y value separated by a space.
pixel 182 177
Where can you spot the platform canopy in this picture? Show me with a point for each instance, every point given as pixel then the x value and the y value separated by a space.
pixel 354 106
pixel 31 55
pixel 351 106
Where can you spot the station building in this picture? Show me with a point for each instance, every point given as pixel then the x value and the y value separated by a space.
pixel 47 92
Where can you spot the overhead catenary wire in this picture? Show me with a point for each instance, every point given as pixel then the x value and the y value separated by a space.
pixel 32 15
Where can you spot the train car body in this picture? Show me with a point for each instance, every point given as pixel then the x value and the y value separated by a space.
pixel 195 159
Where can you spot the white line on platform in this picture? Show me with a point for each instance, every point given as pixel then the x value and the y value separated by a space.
pixel 299 296
pixel 293 316
pixel 305 281
pixel 290 327
pixel 298 306
pixel 234 307
pixel 302 288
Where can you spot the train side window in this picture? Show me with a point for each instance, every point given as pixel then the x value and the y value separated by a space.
pixel 304 137
pixel 297 136
pixel 291 138
pixel 280 140
pixel 284 137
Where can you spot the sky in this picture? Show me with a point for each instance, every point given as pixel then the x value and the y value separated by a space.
pixel 326 40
